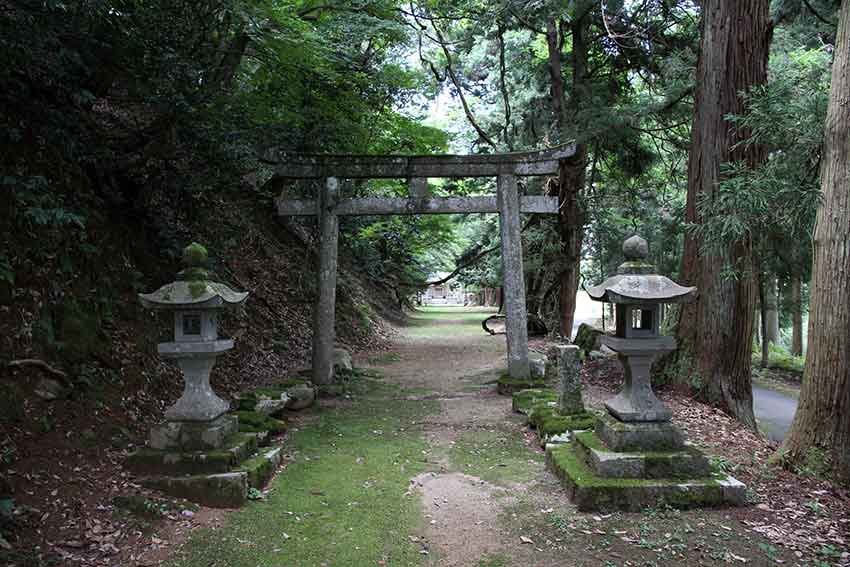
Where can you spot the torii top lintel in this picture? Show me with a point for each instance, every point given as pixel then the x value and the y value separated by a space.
pixel 316 166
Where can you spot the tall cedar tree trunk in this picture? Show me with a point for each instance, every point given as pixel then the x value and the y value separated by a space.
pixel 771 308
pixel 572 173
pixel 823 414
pixel 796 304
pixel 765 345
pixel 716 331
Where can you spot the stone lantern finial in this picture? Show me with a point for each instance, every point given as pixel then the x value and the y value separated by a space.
pixel 635 248
pixel 195 258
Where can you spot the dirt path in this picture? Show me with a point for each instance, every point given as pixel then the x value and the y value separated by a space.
pixel 488 500
pixel 445 355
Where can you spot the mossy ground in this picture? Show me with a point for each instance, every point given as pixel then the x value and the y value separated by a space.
pixel 341 501
pixel 435 322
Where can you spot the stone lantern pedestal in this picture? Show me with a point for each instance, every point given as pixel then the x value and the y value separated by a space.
pixel 635 457
pixel 198 453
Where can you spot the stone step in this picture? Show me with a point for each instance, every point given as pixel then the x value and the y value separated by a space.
pixel 686 463
pixel 261 467
pixel 227 490
pixel 632 436
pixel 506 385
pixel 147 461
pixel 591 492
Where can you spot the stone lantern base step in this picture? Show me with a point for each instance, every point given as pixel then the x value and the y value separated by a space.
pixel 630 436
pixel 226 490
pixel 193 435
pixel 222 490
pixel 507 385
pixel 237 448
pixel 591 492
pixel 686 463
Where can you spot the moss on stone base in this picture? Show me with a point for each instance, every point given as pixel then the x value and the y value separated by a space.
pixel 255 422
pixel 171 463
pixel 248 400
pixel 508 385
pixel 260 468
pixel 685 463
pixel 590 492
pixel 557 424
pixel 547 420
pixel 525 400
pixel 228 490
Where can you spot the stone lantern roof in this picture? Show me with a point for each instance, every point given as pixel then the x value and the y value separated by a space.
pixel 636 281
pixel 193 289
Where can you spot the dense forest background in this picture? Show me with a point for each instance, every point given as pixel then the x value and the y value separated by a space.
pixel 130 128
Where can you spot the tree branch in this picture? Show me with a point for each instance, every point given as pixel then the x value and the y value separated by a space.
pixel 466 110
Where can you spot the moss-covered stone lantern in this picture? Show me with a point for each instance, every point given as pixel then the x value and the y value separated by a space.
pixel 638 293
pixel 635 457
pixel 197 421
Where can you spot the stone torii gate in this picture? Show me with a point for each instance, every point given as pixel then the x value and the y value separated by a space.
pixel 417 169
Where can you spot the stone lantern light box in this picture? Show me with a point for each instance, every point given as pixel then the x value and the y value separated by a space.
pixel 637 293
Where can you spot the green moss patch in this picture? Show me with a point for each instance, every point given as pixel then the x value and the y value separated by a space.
pixel 341 501
pixel 507 385
pixel 525 400
pixel 255 422
pixel 248 400
pixel 260 468
pixel 557 424
pixel 171 463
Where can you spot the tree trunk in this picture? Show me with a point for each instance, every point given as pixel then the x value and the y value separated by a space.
pixel 822 421
pixel 765 344
pixel 771 311
pixel 796 305
pixel 572 173
pixel 715 333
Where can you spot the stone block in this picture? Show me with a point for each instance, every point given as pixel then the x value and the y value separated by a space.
pixel 507 385
pixel 148 461
pixel 537 365
pixel 687 463
pixel 619 436
pixel 193 435
pixel 261 468
pixel 227 490
pixel 569 380
pixel 341 360
pixel 591 493
pixel 301 396
pixel 272 407
pixel 255 422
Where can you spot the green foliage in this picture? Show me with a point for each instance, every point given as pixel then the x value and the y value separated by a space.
pixel 780 357
pixel 774 205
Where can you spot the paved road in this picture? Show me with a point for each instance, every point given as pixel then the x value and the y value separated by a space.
pixel 774 411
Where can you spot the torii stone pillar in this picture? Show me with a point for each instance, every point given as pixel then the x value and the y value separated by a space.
pixel 513 279
pixel 324 315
